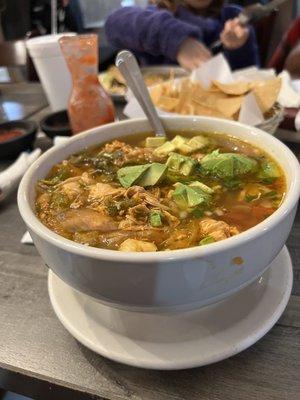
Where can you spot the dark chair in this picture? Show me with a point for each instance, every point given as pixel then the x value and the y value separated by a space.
pixel 264 29
pixel 13 56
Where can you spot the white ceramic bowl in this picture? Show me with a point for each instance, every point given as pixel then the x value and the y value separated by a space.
pixel 179 279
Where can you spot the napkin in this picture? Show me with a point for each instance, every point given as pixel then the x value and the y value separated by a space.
pixel 10 177
pixel 288 95
pixel 250 113
pixel 215 69
pixel 26 238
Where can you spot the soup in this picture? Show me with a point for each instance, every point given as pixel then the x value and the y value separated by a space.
pixel 146 193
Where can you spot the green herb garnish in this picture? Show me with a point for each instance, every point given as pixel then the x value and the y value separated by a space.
pixel 206 240
pixel 155 219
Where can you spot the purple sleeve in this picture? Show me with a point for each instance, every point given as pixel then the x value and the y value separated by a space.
pixel 151 30
pixel 246 55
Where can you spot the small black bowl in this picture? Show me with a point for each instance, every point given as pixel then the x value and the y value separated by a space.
pixel 11 148
pixel 56 124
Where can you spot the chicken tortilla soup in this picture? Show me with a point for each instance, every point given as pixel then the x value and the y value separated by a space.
pixel 146 193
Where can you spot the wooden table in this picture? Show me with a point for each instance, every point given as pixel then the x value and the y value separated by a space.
pixel 39 358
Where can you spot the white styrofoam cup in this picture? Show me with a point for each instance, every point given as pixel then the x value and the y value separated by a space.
pixel 51 68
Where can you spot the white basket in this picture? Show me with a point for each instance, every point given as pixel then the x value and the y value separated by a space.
pixel 271 124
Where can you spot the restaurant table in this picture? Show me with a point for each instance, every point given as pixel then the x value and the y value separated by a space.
pixel 40 359
pixel 20 100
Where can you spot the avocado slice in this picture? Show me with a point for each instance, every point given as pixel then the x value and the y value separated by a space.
pixel 179 195
pixel 128 176
pixel 185 149
pixel 164 149
pixel 198 142
pixel 153 175
pixel 269 171
pixel 188 146
pixel 201 186
pixel 170 146
pixel 194 144
pixel 155 141
pixel 227 165
pixel 142 175
pixel 190 196
pixel 181 164
pixel 178 141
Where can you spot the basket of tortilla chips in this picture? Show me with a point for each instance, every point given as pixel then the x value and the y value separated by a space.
pixel 236 101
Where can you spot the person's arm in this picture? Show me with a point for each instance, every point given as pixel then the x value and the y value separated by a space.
pixel 151 30
pixel 245 53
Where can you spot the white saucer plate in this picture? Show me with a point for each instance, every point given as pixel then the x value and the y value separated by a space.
pixel 176 340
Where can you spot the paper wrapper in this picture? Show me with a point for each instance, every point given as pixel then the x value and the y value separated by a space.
pixel 218 69
pixel 10 177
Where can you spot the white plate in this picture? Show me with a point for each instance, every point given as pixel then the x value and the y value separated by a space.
pixel 176 341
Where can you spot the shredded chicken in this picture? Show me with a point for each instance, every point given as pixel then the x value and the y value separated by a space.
pixel 139 193
pixel 43 201
pixel 72 179
pixel 87 179
pixel 101 190
pixel 136 218
pixel 181 238
pixel 138 213
pixel 71 189
pixel 115 238
pixel 155 191
pixel 171 219
pixel 219 230
pixel 130 154
pixel 86 219
pixel 137 245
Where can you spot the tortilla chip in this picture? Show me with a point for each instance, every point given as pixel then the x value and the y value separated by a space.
pixel 236 88
pixel 208 111
pixel 156 93
pixel 185 95
pixel 209 99
pixel 188 109
pixel 230 105
pixel 266 93
pixel 167 103
pixel 213 89
pixel 115 73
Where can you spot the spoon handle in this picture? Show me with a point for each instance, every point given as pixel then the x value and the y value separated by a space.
pixel 127 64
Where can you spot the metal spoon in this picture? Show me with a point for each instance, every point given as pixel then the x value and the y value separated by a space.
pixel 128 66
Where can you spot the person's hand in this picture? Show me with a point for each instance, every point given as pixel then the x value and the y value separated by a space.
pixel 192 54
pixel 234 35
